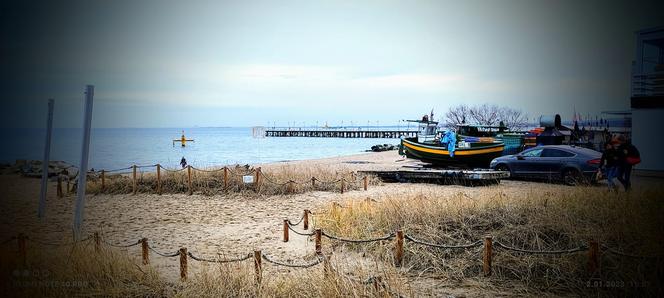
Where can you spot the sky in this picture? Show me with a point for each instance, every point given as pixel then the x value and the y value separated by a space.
pixel 250 63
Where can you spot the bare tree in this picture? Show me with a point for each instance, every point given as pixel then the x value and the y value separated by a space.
pixel 514 120
pixel 456 115
pixel 485 114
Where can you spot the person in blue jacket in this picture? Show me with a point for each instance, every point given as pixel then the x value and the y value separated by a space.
pixel 450 139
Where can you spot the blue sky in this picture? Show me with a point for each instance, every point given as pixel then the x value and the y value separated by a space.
pixel 245 63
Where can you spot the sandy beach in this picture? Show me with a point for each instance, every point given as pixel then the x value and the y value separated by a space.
pixel 230 225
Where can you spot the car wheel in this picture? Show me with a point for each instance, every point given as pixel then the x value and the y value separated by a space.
pixel 504 168
pixel 572 177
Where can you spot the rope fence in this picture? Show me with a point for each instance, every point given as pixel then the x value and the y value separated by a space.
pixel 182 180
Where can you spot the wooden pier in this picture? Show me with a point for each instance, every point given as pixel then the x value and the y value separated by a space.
pixel 328 133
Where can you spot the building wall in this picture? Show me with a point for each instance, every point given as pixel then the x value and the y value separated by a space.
pixel 648 138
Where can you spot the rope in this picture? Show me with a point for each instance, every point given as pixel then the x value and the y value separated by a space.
pixel 470 245
pixel 201 259
pixel 541 252
pixel 386 237
pixel 300 233
pixel 207 171
pixel 117 170
pixel 175 254
pixel 620 253
pixel 297 223
pixel 123 245
pixel 172 171
pixel 247 173
pixel 272 181
pixel 318 261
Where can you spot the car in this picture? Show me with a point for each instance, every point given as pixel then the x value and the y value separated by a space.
pixel 570 164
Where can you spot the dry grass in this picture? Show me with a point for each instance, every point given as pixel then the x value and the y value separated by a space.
pixel 558 218
pixel 274 181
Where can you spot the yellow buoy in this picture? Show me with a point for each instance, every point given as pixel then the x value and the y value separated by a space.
pixel 183 140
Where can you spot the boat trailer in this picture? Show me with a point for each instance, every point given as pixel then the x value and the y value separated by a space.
pixel 466 177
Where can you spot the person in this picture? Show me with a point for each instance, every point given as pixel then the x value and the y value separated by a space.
pixel 183 162
pixel 610 162
pixel 630 157
pixel 449 139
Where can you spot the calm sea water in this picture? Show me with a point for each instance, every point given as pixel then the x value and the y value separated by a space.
pixel 113 148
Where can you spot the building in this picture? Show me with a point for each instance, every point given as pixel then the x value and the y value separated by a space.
pixel 647 98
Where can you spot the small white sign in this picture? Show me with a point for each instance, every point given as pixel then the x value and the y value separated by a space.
pixel 248 179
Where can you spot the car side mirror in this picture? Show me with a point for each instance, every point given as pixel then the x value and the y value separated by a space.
pixel 520 157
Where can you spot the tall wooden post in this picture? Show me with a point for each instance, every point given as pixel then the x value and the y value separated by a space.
pixel 59 190
pixel 225 178
pixel 488 248
pixel 79 209
pixel 47 153
pixel 22 249
pixel 97 242
pixel 258 180
pixel 319 247
pixel 285 230
pixel 593 256
pixel 398 249
pixel 103 180
pixel 189 179
pixel 183 263
pixel 134 179
pixel 305 220
pixel 258 266
pixel 366 182
pixel 144 251
pixel 158 179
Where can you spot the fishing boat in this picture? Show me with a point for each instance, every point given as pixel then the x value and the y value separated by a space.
pixel 432 146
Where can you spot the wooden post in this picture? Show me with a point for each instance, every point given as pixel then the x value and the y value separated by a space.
pixel 59 189
pixel 225 178
pixel 488 247
pixel 366 182
pixel 97 242
pixel 319 249
pixel 285 230
pixel 306 219
pixel 183 263
pixel 103 180
pixel 258 179
pixel 22 249
pixel 134 179
pixel 144 251
pixel 258 266
pixel 398 250
pixel 189 179
pixel 158 179
pixel 342 185
pixel 313 183
pixel 593 256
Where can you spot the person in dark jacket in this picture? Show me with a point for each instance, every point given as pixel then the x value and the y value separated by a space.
pixel 630 157
pixel 183 162
pixel 610 162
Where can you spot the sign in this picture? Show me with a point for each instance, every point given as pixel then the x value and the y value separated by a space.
pixel 248 179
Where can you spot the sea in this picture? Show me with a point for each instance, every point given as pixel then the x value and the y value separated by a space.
pixel 116 148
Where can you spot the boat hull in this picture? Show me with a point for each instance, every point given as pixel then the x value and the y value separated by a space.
pixel 479 156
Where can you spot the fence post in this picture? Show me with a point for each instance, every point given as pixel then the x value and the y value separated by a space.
pixel 366 182
pixel 257 266
pixel 103 180
pixel 593 256
pixel 398 250
pixel 306 219
pixel 319 249
pixel 258 179
pixel 134 178
pixel 97 241
pixel 488 247
pixel 313 183
pixel 285 230
pixel 59 189
pixel 183 263
pixel 158 179
pixel 342 185
pixel 189 179
pixel 225 178
pixel 144 251
pixel 22 249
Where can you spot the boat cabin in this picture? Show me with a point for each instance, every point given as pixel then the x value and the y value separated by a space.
pixel 427 131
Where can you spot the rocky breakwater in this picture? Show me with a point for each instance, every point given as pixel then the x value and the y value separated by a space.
pixel 33 168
